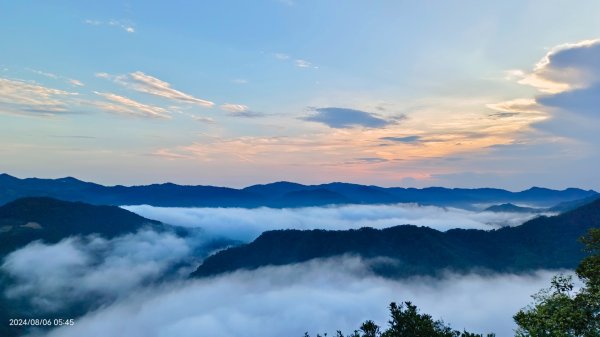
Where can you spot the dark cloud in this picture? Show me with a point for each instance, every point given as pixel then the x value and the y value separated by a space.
pixel 577 68
pixel 407 139
pixel 341 118
pixel 575 109
pixel 577 63
pixel 584 101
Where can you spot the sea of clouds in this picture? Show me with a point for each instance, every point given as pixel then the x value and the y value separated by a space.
pixel 246 224
pixel 137 285
pixel 317 296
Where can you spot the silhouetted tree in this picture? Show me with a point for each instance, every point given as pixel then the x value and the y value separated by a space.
pixel 559 311
pixel 406 321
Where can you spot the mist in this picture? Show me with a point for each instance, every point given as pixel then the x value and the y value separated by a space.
pixel 317 296
pixel 138 285
pixel 246 224
pixel 94 270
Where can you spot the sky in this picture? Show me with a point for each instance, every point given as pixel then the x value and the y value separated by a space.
pixel 235 93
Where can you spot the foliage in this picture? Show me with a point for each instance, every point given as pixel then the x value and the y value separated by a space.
pixel 561 312
pixel 406 321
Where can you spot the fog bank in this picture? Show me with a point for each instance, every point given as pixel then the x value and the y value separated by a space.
pixel 50 277
pixel 247 224
pixel 318 296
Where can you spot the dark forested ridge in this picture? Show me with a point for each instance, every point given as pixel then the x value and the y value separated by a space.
pixel 279 194
pixel 28 219
pixel 544 242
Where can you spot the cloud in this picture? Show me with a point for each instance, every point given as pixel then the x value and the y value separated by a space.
pixel 406 139
pixel 246 224
pixel 76 83
pixel 318 296
pixel 82 269
pixel 124 105
pixel 136 285
pixel 577 67
pixel 582 101
pixel 240 81
pixel 126 26
pixel 203 119
pixel 341 118
pixel 103 75
pixel 302 63
pixel 281 56
pixel 516 105
pixel 71 81
pixel 372 160
pixel 239 110
pixel 566 67
pixel 43 73
pixel 234 107
pixel 147 84
pixel 165 153
pixel 568 77
pixel 20 97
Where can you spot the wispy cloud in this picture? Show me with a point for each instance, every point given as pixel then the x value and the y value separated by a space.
pixel 20 97
pixel 516 105
pixel 71 81
pixel 239 110
pixel 282 56
pixel 303 63
pixel 239 81
pixel 203 119
pixel 76 83
pixel 125 25
pixel 43 73
pixel 124 105
pixel 234 107
pixel 300 63
pixel 151 85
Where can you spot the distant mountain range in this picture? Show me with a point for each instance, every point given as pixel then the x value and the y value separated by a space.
pixel 279 194
pixel 544 242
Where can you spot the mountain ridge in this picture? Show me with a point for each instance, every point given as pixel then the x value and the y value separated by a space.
pixel 41 218
pixel 278 194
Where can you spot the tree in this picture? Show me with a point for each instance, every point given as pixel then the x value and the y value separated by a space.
pixel 559 311
pixel 406 321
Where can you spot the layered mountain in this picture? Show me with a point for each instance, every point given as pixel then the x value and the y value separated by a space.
pixel 544 242
pixel 279 194
pixel 512 208
pixel 40 218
